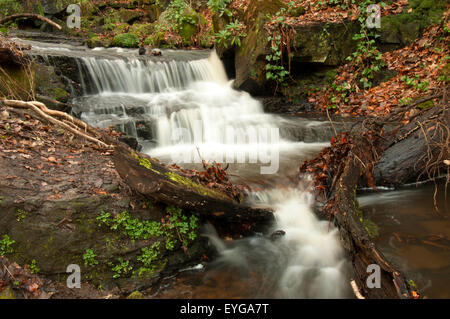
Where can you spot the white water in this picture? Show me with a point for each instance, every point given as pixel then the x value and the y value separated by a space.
pixel 196 97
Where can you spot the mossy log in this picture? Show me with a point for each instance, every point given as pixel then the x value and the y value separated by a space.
pixel 152 179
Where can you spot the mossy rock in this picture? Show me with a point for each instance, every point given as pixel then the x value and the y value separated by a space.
pixel 155 40
pixel 187 31
pixel 141 29
pixel 129 16
pixel 402 29
pixel 49 84
pixel 96 41
pixel 297 11
pixel 249 65
pixel 126 40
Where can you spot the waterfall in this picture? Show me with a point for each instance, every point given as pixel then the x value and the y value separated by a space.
pixel 183 110
pixel 133 75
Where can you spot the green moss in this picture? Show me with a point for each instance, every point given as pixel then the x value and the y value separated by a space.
pixel 59 94
pixel 7 293
pixel 200 189
pixel 135 295
pixel 404 28
pixel 371 227
pixel 128 16
pixel 9 7
pixel 187 31
pixel 141 29
pixel 297 11
pixel 126 40
pixel 426 105
pixel 96 41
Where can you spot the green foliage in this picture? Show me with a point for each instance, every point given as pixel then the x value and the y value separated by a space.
pixel 179 226
pixel 415 82
pixel 34 268
pixel 89 258
pixel 183 226
pixel 149 255
pixel 122 268
pixel 232 34
pixel 178 13
pixel 405 101
pixel 147 258
pixel 274 66
pixel 275 69
pixel 367 57
pixel 5 245
pixel 220 7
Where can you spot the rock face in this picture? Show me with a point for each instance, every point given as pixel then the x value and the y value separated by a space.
pixel 324 44
pixel 403 29
pixel 51 203
pixel 250 57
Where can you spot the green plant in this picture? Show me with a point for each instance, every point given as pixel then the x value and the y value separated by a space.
pixel 367 57
pixel 149 255
pixel 274 66
pixel 232 34
pixel 34 268
pixel 122 268
pixel 5 245
pixel 185 228
pixel 21 214
pixel 220 7
pixel 89 258
pixel 177 14
pixel 280 39
pixel 415 82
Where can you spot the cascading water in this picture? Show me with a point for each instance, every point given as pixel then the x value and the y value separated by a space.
pixel 152 100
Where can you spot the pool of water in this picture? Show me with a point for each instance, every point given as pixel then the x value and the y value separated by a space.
pixel 413 235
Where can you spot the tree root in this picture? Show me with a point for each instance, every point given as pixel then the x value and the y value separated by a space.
pixel 67 122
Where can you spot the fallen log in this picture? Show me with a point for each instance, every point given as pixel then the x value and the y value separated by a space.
pixel 29 16
pixel 357 242
pixel 152 179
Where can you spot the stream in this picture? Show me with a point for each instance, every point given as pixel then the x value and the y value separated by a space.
pixel 183 110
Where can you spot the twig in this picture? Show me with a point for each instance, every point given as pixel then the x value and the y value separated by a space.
pixel 42 110
pixel 356 290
